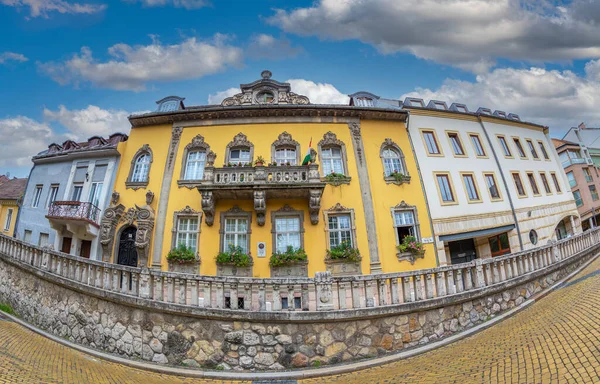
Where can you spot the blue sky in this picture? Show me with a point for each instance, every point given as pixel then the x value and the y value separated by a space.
pixel 71 69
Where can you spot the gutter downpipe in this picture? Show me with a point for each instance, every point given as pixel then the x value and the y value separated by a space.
pixel 412 148
pixel 510 201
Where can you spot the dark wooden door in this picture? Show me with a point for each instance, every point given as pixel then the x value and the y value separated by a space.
pixel 66 245
pixel 462 251
pixel 127 251
pixel 86 249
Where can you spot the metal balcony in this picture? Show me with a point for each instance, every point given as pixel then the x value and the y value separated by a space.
pixel 78 217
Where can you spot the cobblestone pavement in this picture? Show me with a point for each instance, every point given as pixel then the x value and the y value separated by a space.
pixel 555 340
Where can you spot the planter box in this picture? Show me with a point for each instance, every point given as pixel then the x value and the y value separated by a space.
pixel 409 256
pixel 291 270
pixel 185 267
pixel 343 268
pixel 232 270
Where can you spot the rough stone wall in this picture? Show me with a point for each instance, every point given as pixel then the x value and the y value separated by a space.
pixel 184 340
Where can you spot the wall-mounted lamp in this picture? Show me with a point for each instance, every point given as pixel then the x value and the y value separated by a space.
pixel 87 176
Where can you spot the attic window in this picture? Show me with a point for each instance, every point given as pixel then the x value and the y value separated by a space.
pixel 265 97
pixel 484 111
pixel 416 103
pixel 364 102
pixel 168 106
pixel 461 108
pixel 439 105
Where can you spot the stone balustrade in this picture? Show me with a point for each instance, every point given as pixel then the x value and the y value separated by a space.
pixel 263 175
pixel 321 293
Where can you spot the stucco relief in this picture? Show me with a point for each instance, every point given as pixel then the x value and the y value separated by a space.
pixel 108 225
pixel 265 91
pixel 208 206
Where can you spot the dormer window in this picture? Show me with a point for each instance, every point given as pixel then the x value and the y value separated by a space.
pixel 265 97
pixel 364 102
pixel 168 106
pixel 170 103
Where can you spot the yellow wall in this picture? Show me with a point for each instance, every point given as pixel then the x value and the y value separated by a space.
pixel 158 138
pixel 386 196
pixel 3 213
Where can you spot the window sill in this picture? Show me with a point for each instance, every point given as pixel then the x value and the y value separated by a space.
pixel 409 256
pixel 337 181
pixel 189 184
pixel 392 180
pixel 136 185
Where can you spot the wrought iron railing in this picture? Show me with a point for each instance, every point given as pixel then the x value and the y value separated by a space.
pixel 77 210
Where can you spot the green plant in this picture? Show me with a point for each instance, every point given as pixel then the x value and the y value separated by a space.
pixel 399 177
pixel 290 256
pixel 182 254
pixel 344 251
pixel 259 161
pixel 335 176
pixel 235 256
pixel 410 244
pixel 6 309
pixel 317 363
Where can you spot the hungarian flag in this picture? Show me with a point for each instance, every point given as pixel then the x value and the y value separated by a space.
pixel 307 157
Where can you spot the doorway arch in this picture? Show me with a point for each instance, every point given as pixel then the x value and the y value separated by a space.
pixel 127 252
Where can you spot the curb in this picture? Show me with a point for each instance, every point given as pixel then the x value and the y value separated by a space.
pixel 306 373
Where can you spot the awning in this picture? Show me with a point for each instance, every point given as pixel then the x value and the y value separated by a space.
pixel 479 233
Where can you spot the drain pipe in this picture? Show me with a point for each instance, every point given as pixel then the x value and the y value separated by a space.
pixel 412 148
pixel 510 201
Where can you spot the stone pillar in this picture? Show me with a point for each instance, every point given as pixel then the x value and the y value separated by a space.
pixel 323 284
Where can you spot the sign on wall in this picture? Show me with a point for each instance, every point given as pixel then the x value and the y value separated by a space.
pixel 427 240
pixel 261 249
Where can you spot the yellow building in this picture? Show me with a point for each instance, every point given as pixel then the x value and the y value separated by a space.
pixel 264 171
pixel 11 192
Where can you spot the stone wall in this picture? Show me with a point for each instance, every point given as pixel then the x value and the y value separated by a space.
pixel 139 331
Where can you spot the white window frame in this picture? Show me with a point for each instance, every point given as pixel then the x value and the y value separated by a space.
pixel 337 211
pixel 237 215
pixel 9 215
pixel 37 196
pixel 403 208
pixel 188 236
pixel 329 160
pixel 141 168
pixel 289 155
pixel 52 194
pixel 73 194
pixel 194 168
pixel 290 237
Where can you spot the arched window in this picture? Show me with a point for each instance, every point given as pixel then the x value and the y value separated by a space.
pixel 391 161
pixel 333 155
pixel 240 150
pixel 285 150
pixel 394 166
pixel 194 169
pixel 196 156
pixel 140 171
pixel 140 168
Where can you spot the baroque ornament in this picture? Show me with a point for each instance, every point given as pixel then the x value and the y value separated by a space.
pixel 265 91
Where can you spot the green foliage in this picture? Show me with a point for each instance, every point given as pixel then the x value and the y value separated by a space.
pixel 335 176
pixel 290 256
pixel 399 177
pixel 259 160
pixel 317 363
pixel 182 254
pixel 410 244
pixel 235 256
pixel 344 251
pixel 6 308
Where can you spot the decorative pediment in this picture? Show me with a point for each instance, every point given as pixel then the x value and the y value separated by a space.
pixel 197 143
pixel 285 140
pixel 338 208
pixel 265 91
pixel 235 209
pixel 187 211
pixel 240 141
pixel 330 139
pixel 286 208
pixel 403 205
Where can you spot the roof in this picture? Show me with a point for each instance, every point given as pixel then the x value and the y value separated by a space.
pixel 590 137
pixel 94 143
pixel 3 179
pixel 559 143
pixel 13 189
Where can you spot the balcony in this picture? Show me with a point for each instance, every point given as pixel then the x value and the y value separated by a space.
pixel 568 163
pixel 259 184
pixel 78 217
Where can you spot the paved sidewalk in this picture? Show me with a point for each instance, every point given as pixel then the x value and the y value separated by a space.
pixel 555 340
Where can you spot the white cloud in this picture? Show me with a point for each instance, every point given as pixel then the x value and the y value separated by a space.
pixel 91 121
pixel 263 46
pixel 187 4
pixel 42 8
pixel 133 67
pixel 559 99
pixel 11 56
pixel 22 138
pixel 317 93
pixel 471 34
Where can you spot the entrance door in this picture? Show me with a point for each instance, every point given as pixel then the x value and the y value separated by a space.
pixel 127 251
pixel 66 245
pixel 86 249
pixel 499 245
pixel 462 251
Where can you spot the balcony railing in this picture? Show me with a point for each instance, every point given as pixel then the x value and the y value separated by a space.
pixel 577 160
pixel 75 210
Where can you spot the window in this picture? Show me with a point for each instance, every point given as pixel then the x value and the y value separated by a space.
pixel 476 140
pixel 194 167
pixel 9 214
pixel 578 200
pixel 545 183
pixel 187 232
pixel 532 149
pixel 561 231
pixel 405 224
pixel 37 196
pixel 490 181
pixel 331 158
pixel 340 230
pixel 76 194
pixel 571 177
pixel 533 183
pixel 287 233
pixel 588 175
pixel 533 237
pixel 520 149
pixel 543 149
pixel 504 146
pixel 519 184
pixel 499 245
pixel 556 184
pixel 456 144
pixel 239 150
pixel 52 195
pixel 431 143
pixel 237 156
pixel 391 162
pixel 27 236
pixel 236 233
pixel 445 188
pixel 470 187
pixel 285 156
pixel 594 192
pixel 95 193
pixel 43 240
pixel 141 169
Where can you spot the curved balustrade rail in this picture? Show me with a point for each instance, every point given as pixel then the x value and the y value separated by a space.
pixel 321 293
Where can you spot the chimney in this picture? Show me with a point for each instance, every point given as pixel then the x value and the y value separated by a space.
pixel 581 126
